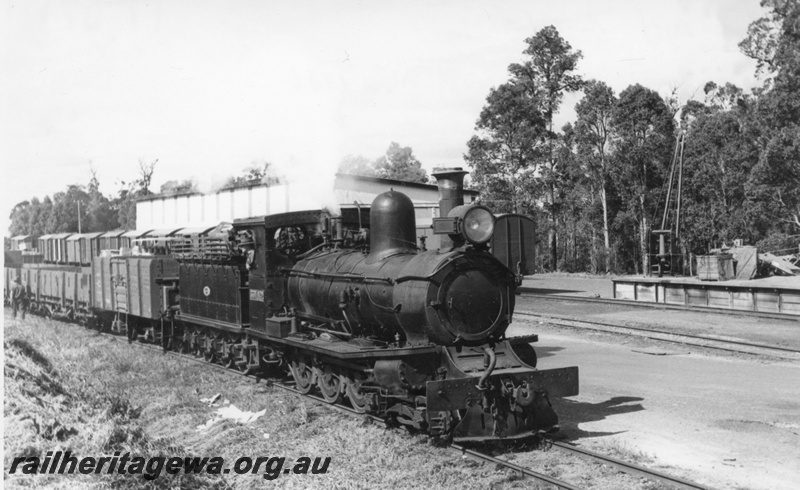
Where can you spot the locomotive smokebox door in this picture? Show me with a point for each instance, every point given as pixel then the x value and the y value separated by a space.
pixel 473 303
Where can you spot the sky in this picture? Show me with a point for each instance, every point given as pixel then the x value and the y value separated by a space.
pixel 209 87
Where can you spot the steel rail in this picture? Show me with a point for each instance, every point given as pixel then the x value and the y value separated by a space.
pixel 664 332
pixel 629 468
pixel 508 464
pixel 527 292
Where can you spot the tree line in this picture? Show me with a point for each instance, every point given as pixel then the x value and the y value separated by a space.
pixel 595 186
pixel 85 208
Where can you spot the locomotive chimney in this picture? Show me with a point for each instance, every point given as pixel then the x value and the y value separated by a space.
pixel 451 188
pixel 451 195
pixel 393 226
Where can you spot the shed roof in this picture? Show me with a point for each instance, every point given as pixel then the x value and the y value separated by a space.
pixel 79 236
pixel 135 233
pixel 113 233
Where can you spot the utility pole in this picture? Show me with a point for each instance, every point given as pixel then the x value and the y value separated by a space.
pixel 79 217
pixel 670 233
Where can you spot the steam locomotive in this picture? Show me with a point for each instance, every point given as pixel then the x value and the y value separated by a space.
pixel 360 315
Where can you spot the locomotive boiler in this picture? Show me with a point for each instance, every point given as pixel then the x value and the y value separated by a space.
pixel 395 293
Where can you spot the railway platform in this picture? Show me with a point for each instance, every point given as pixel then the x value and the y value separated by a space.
pixel 769 295
pixel 557 298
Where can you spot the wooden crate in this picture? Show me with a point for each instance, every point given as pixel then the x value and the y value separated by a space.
pixel 715 267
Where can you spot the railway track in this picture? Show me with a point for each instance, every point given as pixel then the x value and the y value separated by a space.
pixel 727 345
pixel 526 292
pixel 629 468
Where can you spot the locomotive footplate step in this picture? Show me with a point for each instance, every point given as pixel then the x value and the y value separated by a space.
pixel 513 404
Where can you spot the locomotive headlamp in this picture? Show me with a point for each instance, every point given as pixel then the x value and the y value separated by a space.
pixel 469 222
pixel 477 225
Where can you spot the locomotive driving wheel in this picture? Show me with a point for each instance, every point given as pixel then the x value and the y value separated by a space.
pixel 358 398
pixel 303 375
pixel 330 384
